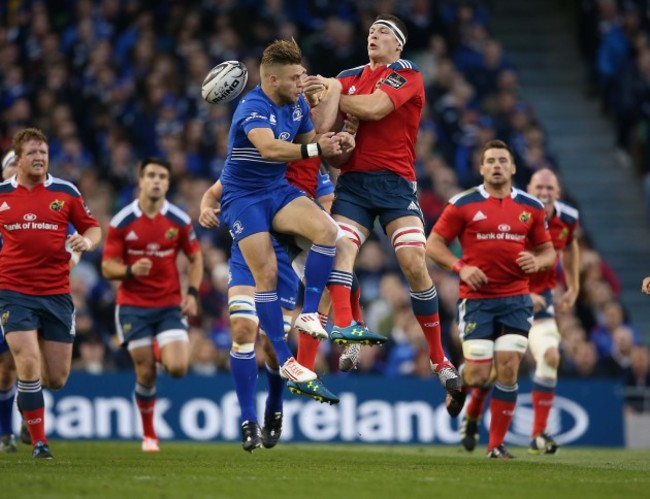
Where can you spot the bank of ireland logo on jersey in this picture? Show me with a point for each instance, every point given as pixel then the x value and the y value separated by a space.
pixel 284 136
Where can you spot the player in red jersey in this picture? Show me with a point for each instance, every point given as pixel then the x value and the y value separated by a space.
pixel 142 245
pixel 544 337
pixel 35 304
pixel 378 180
pixel 495 225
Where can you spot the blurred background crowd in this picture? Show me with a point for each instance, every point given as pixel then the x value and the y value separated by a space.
pixel 112 81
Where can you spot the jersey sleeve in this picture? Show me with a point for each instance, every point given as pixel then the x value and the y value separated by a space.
pixel 188 240
pixel 255 115
pixel 539 233
pixel 401 85
pixel 114 245
pixel 573 228
pixel 80 215
pixel 450 224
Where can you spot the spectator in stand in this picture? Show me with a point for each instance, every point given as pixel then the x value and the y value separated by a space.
pixel 637 380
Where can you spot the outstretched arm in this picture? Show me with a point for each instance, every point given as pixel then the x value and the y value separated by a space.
pixel 210 206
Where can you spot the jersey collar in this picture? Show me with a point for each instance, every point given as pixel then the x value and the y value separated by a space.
pixel 138 211
pixel 485 194
pixel 48 180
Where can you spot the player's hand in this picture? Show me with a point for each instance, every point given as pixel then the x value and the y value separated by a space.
pixel 141 267
pixel 329 144
pixel 351 124
pixel 539 302
pixel 527 262
pixel 645 287
pixel 567 300
pixel 78 243
pixel 209 218
pixel 473 277
pixel 313 87
pixel 347 141
pixel 189 306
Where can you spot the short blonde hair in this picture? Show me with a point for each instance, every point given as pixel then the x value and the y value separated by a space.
pixel 281 53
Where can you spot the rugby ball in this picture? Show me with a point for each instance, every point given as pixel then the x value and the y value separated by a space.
pixel 224 82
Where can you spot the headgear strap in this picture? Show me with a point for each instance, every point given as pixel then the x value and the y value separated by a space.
pixel 9 157
pixel 399 36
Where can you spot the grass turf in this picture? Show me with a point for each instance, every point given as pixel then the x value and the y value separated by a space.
pixel 121 470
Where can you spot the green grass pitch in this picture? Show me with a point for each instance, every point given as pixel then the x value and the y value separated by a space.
pixel 121 470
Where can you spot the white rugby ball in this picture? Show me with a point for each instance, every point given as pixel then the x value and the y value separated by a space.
pixel 224 82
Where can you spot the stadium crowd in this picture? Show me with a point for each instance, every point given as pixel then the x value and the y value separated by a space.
pixel 112 81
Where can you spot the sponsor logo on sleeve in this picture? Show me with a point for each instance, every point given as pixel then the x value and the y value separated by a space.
pixel 395 80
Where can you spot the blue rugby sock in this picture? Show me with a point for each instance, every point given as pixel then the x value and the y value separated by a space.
pixel 320 261
pixel 276 390
pixel 243 367
pixel 269 312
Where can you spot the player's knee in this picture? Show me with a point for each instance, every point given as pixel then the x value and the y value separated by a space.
pixel 55 381
pixel 552 358
pixel 145 373
pixel 243 327
pixel 413 266
pixel 349 238
pixel 475 377
pixel 327 233
pixel 177 369
pixel 346 252
pixel 7 376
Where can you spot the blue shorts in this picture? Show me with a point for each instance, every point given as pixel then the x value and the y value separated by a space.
pixel 549 311
pixel 325 185
pixel 363 197
pixel 488 319
pixel 253 213
pixel 52 315
pixel 240 275
pixel 4 347
pixel 136 323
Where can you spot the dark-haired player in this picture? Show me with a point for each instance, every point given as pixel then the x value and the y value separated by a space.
pixel 142 244
pixel 496 225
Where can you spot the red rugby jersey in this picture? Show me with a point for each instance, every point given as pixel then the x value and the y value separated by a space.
pixel 34 227
pixel 304 175
pixel 562 226
pixel 133 235
pixel 387 144
pixel 492 233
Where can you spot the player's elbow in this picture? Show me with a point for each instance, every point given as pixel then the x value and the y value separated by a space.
pixel 107 271
pixel 377 113
pixel 269 153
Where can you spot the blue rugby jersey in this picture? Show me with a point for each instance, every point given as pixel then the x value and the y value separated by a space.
pixel 245 170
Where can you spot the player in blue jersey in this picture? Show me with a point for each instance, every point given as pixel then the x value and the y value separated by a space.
pixel 270 127
pixel 243 329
